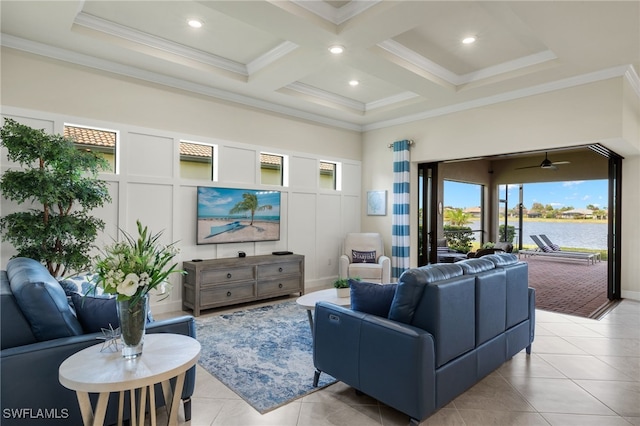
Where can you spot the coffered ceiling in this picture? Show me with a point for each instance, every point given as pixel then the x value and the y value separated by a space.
pixel 406 55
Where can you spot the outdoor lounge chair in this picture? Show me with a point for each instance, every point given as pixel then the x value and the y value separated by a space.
pixel 556 247
pixel 546 251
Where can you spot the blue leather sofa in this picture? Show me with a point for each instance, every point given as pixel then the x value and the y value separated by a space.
pixel 39 330
pixel 448 326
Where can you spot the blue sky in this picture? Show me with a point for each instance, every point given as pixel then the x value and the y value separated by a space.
pixel 577 194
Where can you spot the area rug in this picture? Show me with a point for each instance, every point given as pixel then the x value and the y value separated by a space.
pixel 262 354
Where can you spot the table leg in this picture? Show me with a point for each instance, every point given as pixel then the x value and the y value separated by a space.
pixel 120 408
pixel 167 393
pixel 101 408
pixel 175 403
pixel 152 405
pixel 310 316
pixel 142 402
pixel 132 405
pixel 85 408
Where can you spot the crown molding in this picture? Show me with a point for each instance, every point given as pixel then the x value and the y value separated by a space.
pixel 271 56
pixel 625 70
pixel 107 27
pixel 401 51
pixel 335 15
pixel 327 96
pixel 632 77
pixel 109 66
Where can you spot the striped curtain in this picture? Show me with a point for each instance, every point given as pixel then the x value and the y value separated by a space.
pixel 400 220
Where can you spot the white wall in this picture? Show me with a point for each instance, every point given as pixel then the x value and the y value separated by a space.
pixel 605 112
pixel 151 121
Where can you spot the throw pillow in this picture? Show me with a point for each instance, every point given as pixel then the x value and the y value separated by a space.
pixel 83 284
pixel 363 256
pixel 555 247
pixel 547 249
pixel 95 313
pixel 371 298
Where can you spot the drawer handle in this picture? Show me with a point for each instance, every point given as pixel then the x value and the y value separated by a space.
pixel 228 294
pixel 280 285
pixel 229 275
pixel 279 269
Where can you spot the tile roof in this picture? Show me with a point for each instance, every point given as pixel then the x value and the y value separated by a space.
pixel 86 136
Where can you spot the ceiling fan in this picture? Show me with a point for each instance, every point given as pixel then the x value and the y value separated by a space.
pixel 546 164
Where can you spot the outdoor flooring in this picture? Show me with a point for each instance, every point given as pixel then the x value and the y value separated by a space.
pixel 569 286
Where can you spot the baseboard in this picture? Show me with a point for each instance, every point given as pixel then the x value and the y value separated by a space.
pixel 633 295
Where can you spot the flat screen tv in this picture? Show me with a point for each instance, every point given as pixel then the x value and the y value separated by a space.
pixel 234 215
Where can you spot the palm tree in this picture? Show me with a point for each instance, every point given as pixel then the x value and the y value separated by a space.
pixel 249 203
pixel 457 217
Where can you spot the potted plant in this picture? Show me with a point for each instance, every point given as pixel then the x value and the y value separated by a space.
pixel 60 186
pixel 342 286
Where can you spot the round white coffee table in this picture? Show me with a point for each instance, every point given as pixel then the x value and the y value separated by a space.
pixel 164 357
pixel 309 300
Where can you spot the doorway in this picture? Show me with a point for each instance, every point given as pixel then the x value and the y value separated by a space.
pixel 577 163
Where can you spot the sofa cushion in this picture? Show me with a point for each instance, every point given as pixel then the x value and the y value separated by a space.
pixel 447 311
pixel 502 259
pixel 42 300
pixel 95 313
pixel 475 266
pixel 411 286
pixel 363 256
pixel 16 330
pixel 371 298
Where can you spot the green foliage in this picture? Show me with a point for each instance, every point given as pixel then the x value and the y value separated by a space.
pixel 511 233
pixel 134 267
pixel 457 217
pixel 344 282
pixel 60 184
pixel 459 238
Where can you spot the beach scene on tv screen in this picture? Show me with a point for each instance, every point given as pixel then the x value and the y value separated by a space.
pixel 228 215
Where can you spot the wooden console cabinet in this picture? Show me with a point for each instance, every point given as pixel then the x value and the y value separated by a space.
pixel 220 282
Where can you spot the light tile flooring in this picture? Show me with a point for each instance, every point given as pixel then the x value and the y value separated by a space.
pixel 581 372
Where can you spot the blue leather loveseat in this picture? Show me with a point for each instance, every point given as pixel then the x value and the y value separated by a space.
pixel 442 328
pixel 39 330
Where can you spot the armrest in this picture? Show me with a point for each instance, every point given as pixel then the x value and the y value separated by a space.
pixel 385 262
pixel 532 316
pixel 343 266
pixel 387 360
pixel 30 373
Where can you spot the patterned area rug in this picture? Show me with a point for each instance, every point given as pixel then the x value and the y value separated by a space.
pixel 262 354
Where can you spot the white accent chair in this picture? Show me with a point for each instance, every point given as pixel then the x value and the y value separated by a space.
pixel 376 269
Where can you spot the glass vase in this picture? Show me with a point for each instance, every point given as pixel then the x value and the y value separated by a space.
pixel 133 320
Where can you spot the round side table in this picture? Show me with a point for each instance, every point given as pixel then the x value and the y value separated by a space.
pixel 165 356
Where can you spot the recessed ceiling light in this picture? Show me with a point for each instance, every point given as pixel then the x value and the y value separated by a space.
pixel 194 23
pixel 468 40
pixel 336 49
pixel 354 83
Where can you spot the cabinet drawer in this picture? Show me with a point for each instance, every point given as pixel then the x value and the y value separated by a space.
pixel 286 285
pixel 221 276
pixel 284 268
pixel 226 295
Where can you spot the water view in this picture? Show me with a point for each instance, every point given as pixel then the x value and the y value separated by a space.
pixel 566 234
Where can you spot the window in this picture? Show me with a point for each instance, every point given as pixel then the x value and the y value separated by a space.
pixel 329 175
pixel 100 141
pixel 272 169
pixel 464 207
pixel 198 161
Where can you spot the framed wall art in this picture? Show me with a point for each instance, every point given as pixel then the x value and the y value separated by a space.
pixel 377 203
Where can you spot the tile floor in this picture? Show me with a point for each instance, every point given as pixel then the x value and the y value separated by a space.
pixel 581 372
